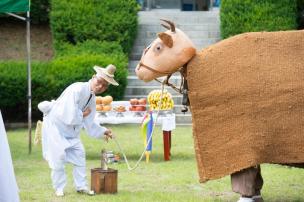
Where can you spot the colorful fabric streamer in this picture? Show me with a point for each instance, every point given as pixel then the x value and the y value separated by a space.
pixel 146 131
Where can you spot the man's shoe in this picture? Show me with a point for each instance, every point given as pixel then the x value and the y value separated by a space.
pixel 245 199
pixel 59 193
pixel 86 191
pixel 257 198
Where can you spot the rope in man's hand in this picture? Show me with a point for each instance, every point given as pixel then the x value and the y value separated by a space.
pixel 149 140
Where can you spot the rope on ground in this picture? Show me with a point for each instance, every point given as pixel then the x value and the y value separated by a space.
pixel 142 155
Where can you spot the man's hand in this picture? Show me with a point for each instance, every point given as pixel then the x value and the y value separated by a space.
pixel 108 134
pixel 86 112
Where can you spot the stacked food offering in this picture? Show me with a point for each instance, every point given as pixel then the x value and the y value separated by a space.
pixel 154 100
pixel 103 104
pixel 138 105
pixel 135 106
pixel 120 108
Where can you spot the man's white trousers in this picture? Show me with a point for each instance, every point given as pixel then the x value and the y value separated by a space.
pixel 76 156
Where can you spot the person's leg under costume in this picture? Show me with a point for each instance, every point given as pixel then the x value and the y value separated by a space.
pixel 248 183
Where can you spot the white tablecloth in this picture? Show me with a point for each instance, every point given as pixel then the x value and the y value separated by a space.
pixel 166 119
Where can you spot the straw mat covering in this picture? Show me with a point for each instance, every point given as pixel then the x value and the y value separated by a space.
pixel 247 102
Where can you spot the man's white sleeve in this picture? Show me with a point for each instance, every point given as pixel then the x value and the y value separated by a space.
pixel 91 125
pixel 67 109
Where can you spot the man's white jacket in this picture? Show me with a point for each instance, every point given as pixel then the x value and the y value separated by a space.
pixel 63 121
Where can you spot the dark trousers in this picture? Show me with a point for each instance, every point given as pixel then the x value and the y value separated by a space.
pixel 247 182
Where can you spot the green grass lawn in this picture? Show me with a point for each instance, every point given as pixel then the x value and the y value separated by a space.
pixel 174 180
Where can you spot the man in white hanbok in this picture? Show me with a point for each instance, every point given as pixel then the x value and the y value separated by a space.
pixel 62 122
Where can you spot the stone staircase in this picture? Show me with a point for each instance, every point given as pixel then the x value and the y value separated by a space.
pixel 201 26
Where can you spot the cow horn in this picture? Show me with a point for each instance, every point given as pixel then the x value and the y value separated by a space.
pixel 172 26
pixel 166 26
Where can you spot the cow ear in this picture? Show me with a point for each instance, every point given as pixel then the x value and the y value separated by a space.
pixel 166 39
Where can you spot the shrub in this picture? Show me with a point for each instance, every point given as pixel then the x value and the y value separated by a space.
pixel 40 11
pixel 68 69
pixel 89 47
pixel 13 84
pixel 50 79
pixel 86 33
pixel 300 19
pixel 239 16
pixel 108 20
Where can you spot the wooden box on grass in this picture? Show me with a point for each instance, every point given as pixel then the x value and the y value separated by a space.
pixel 104 181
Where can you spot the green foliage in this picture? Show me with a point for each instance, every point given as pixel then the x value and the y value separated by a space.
pixel 50 79
pixel 107 20
pixel 89 47
pixel 14 90
pixel 86 33
pixel 239 16
pixel 300 19
pixel 12 83
pixel 75 62
pixel 40 11
pixel 69 69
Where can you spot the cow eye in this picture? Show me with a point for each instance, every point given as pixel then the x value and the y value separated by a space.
pixel 158 47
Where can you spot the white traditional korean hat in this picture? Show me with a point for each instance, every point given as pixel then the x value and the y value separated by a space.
pixel 106 73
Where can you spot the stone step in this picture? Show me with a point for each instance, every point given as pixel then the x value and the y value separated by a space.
pixel 131 72
pixel 132 64
pixel 176 14
pixel 198 41
pixel 156 27
pixel 137 56
pixel 177 109
pixel 145 36
pixel 183 119
pixel 134 81
pixel 178 20
pixel 174 11
pixel 134 56
pixel 203 28
pixel 199 44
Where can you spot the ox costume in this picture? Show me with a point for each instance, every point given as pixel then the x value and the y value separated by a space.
pixel 8 187
pixel 62 123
